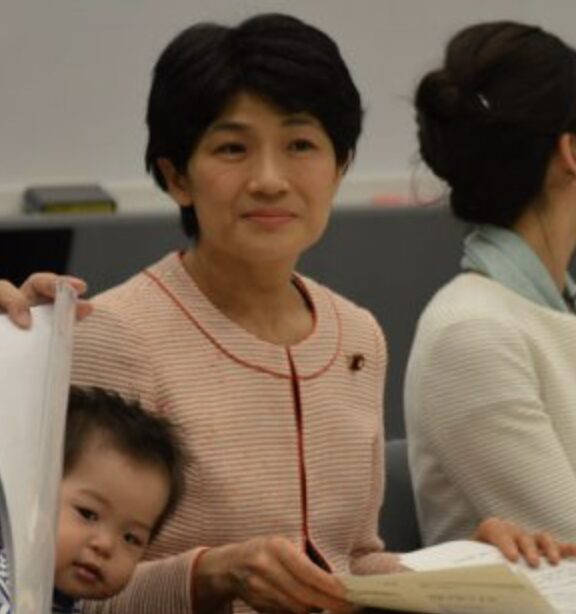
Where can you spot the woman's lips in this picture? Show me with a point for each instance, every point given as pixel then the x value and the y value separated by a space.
pixel 270 217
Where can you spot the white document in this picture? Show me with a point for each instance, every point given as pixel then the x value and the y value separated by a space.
pixel 556 583
pixel 34 382
pixel 467 577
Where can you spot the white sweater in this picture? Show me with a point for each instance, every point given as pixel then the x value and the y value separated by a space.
pixel 491 412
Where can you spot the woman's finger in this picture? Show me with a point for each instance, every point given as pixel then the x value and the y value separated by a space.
pixel 314 587
pixel 272 575
pixel 528 548
pixel 267 596
pixel 37 289
pixel 501 534
pixel 83 309
pixel 41 286
pixel 548 546
pixel 15 303
pixel 567 549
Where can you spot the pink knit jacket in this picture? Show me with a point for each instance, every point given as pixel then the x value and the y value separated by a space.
pixel 281 440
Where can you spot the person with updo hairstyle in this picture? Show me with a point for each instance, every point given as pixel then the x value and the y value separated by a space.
pixel 490 391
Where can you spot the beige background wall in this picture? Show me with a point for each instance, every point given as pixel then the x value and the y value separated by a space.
pixel 74 76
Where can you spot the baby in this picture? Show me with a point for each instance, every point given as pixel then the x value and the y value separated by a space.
pixel 122 478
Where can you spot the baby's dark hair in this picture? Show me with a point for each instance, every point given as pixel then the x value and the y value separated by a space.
pixel 490 117
pixel 141 435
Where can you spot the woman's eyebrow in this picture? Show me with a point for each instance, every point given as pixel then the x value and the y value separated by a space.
pixel 226 125
pixel 300 120
pixel 232 125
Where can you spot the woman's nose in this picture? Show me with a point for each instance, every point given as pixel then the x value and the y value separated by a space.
pixel 268 176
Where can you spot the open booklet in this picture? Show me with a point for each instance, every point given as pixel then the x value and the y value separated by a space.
pixel 464 577
pixel 34 382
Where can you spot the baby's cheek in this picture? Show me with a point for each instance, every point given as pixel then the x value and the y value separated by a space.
pixel 65 543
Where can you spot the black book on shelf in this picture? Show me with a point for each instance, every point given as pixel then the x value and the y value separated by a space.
pixel 85 198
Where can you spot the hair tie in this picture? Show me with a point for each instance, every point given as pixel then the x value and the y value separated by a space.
pixel 484 101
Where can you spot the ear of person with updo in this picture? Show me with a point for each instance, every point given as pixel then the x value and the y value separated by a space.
pixel 489 118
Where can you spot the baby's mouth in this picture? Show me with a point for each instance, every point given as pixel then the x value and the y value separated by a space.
pixel 89 572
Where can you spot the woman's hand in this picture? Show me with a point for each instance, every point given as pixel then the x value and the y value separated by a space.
pixel 37 289
pixel 271 575
pixel 515 542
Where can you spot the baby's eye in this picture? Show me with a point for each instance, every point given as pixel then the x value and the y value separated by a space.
pixel 134 540
pixel 87 514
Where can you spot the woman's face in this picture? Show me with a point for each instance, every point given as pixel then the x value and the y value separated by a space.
pixel 261 180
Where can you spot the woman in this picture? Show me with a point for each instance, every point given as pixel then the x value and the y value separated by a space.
pixel 275 381
pixel 491 382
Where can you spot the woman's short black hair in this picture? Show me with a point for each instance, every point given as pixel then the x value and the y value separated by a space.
pixel 489 119
pixel 140 435
pixel 286 61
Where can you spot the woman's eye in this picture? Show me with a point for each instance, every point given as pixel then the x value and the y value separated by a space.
pixel 87 514
pixel 302 145
pixel 231 149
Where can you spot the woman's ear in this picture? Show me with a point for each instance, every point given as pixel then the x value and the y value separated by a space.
pixel 567 151
pixel 347 164
pixel 177 183
pixel 341 170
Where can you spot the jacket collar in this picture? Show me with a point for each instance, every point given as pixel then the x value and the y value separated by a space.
pixel 312 355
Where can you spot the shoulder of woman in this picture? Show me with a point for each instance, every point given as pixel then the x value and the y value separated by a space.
pixel 467 297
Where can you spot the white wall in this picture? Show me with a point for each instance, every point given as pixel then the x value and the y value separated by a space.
pixel 74 76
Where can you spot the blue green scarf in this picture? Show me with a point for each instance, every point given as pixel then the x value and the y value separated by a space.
pixel 505 257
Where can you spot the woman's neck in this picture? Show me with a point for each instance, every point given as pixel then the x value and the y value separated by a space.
pixel 551 233
pixel 261 298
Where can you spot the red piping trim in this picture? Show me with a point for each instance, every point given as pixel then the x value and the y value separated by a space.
pixel 232 356
pixel 210 338
pixel 307 541
pixel 300 432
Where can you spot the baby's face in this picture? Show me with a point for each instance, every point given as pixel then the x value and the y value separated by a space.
pixel 109 504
